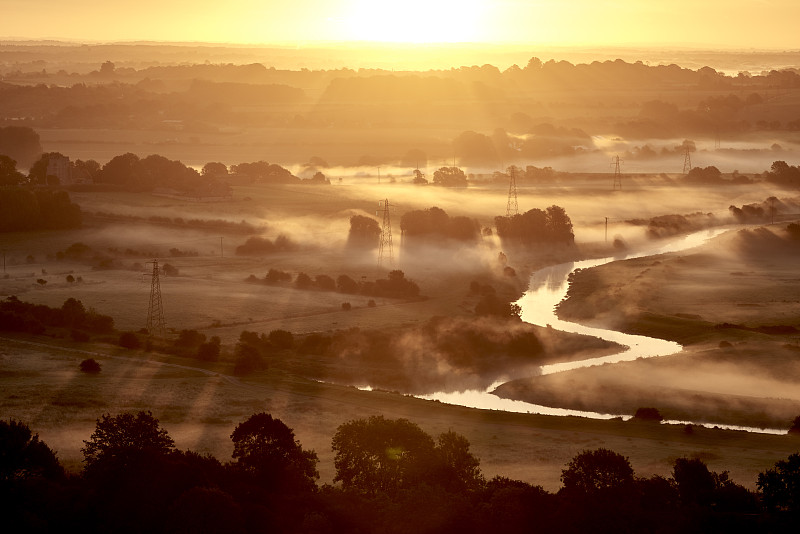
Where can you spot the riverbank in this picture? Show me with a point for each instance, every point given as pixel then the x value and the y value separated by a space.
pixel 732 302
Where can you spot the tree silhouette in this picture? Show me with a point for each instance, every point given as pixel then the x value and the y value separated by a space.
pixel 381 455
pixel 450 177
pixel 119 441
pixel 266 448
pixel 23 456
pixel 597 470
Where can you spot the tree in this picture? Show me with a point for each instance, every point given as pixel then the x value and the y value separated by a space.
pixel 419 178
pixel 23 456
pixel 209 352
pixel 120 441
pixel 364 232
pixel 780 485
pixel 474 148
pixel 795 428
pixel 345 284
pixel 450 177
pixel 214 169
pixel 461 469
pixel 90 366
pixel 9 175
pixel 695 482
pixel 594 471
pixel 303 281
pixel 266 448
pixel 381 455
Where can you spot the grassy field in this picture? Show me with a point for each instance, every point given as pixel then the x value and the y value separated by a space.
pixel 200 406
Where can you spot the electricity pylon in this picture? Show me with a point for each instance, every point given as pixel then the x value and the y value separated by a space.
pixel 687 161
pixel 617 174
pixel 385 247
pixel 512 208
pixel 155 312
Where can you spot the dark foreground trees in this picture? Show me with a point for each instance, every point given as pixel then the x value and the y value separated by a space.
pixel 266 449
pixel 394 478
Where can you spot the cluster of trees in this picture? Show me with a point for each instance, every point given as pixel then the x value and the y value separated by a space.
pixel 536 226
pixel 783 174
pixel 255 246
pixel 449 177
pixel 530 140
pixel 395 285
pixel 530 174
pixel 23 209
pixel 712 175
pixel 435 223
pixel 438 354
pixel 391 476
pixel 19 316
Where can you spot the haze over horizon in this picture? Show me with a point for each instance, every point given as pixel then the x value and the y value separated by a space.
pixel 733 24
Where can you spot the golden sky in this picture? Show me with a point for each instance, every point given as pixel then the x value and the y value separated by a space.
pixel 686 23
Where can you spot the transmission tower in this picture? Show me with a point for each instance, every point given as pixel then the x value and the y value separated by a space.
pixel 687 161
pixel 512 208
pixel 385 247
pixel 617 173
pixel 155 312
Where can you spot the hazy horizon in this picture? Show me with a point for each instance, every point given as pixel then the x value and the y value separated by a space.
pixel 766 25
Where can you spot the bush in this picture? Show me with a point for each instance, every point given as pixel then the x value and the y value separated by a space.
pixel 648 414
pixel 346 306
pixel 129 340
pixel 371 303
pixel 90 366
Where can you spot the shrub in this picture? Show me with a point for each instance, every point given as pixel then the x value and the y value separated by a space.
pixel 90 366
pixel 275 276
pixel 371 303
pixel 129 340
pixel 648 414
pixel 346 306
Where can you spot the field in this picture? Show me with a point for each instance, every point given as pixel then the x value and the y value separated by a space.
pixel 200 404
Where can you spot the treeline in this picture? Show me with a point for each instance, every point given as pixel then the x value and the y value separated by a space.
pixel 435 223
pixel 19 316
pixel 395 285
pixel 130 172
pixel 390 476
pixel 552 225
pixel 23 209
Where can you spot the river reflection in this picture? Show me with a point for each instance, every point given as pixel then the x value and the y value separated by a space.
pixel 547 288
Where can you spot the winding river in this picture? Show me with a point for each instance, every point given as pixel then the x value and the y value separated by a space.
pixel 548 287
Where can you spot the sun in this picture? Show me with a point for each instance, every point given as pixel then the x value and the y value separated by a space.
pixel 414 21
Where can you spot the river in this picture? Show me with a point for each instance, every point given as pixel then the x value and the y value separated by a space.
pixel 547 288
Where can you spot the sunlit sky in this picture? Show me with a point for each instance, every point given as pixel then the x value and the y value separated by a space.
pixel 706 23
